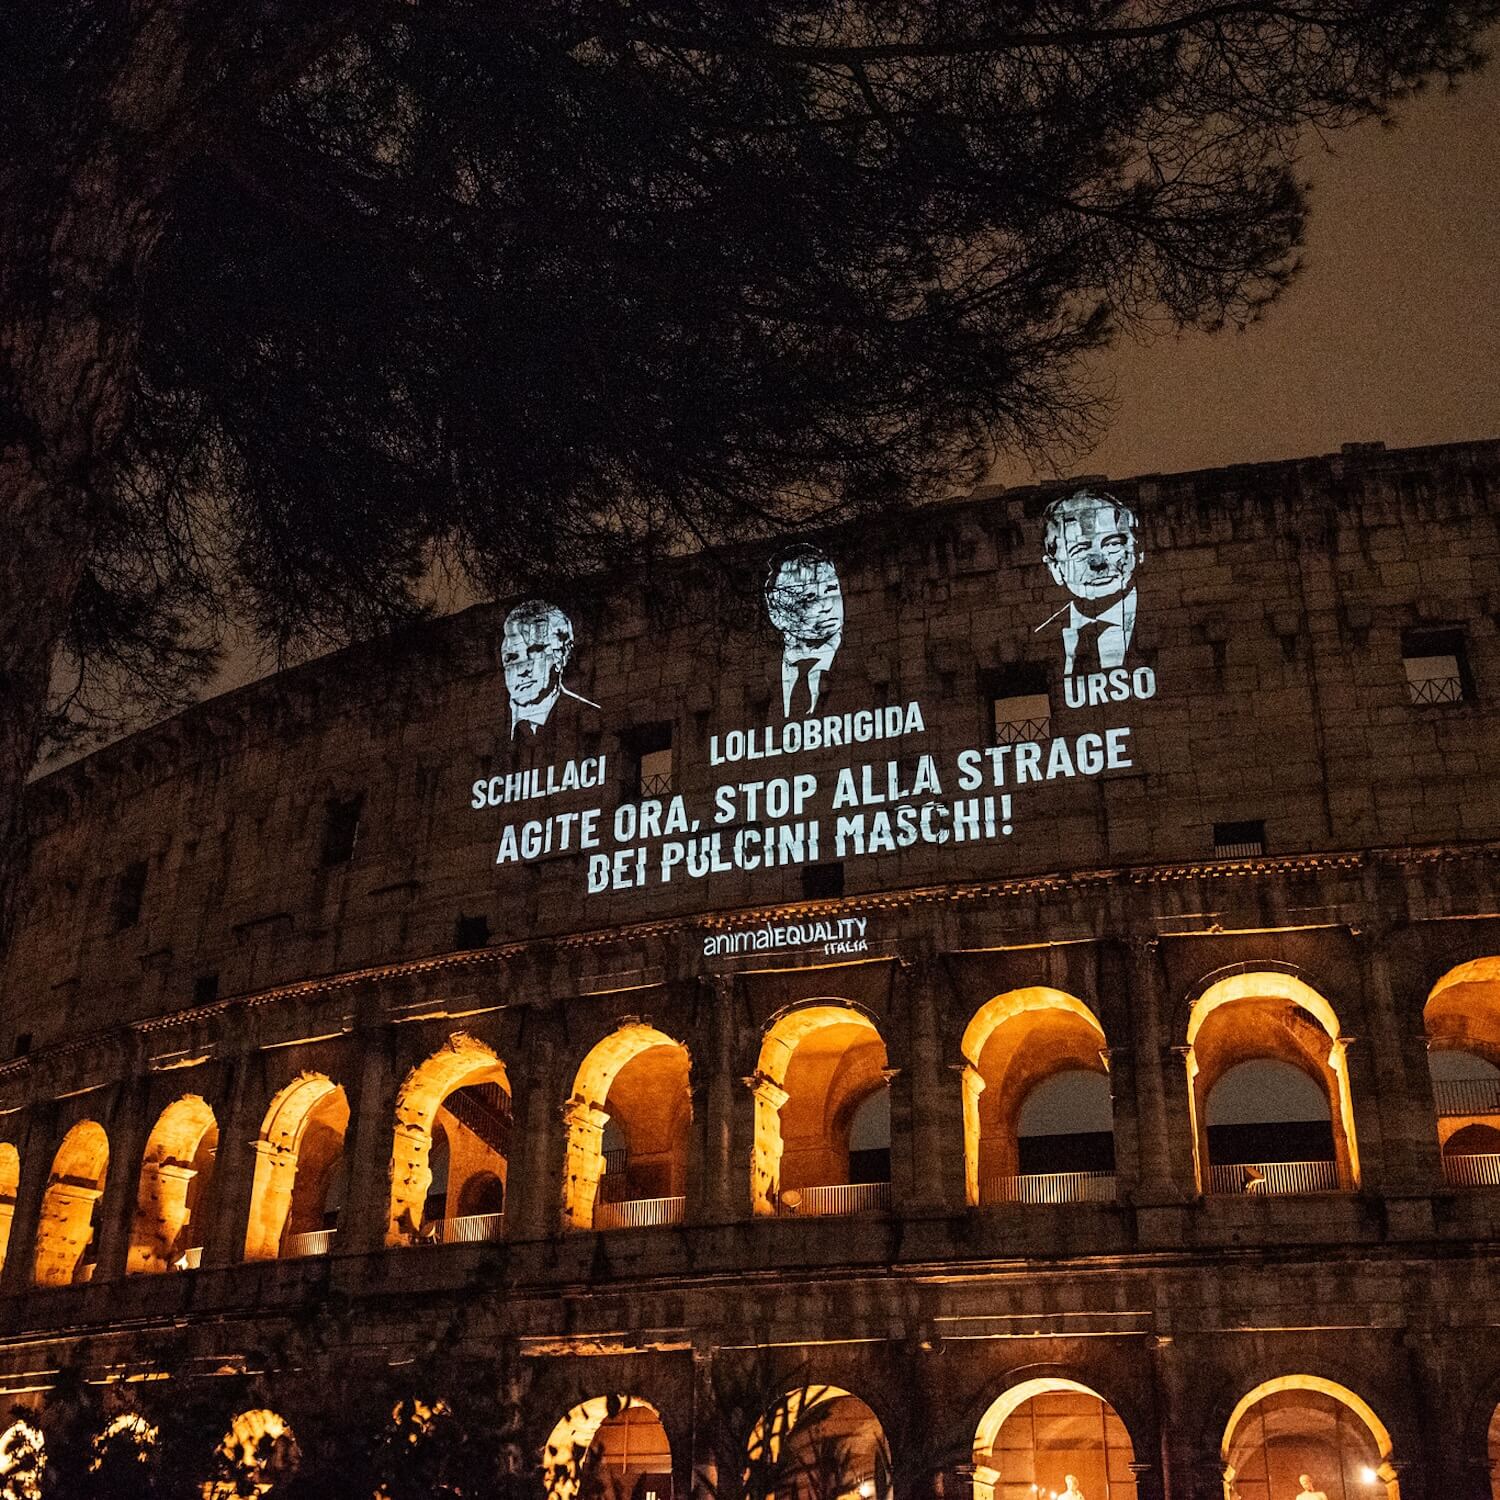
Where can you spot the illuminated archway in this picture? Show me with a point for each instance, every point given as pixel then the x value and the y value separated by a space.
pixel 256 1454
pixel 297 1158
pixel 635 1081
pixel 622 1435
pixel 1492 1452
pixel 463 1090
pixel 10 1183
pixel 819 1442
pixel 176 1173
pixel 126 1443
pixel 1266 1015
pixel 1035 1435
pixel 1016 1043
pixel 23 1456
pixel 1462 1020
pixel 66 1228
pixel 818 1065
pixel 1304 1424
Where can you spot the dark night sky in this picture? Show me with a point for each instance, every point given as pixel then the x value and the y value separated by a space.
pixel 1392 331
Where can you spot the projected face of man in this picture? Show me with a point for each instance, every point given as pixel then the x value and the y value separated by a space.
pixel 1091 548
pixel 805 602
pixel 534 652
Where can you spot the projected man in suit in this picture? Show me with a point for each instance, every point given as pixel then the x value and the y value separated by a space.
pixel 536 646
pixel 806 605
pixel 1091 547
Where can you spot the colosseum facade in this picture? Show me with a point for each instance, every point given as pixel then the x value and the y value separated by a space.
pixel 1034 968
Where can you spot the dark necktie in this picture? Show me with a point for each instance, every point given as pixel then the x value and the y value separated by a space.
pixel 802 688
pixel 1086 651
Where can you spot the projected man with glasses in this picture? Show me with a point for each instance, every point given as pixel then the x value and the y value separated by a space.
pixel 806 605
pixel 1091 547
pixel 535 648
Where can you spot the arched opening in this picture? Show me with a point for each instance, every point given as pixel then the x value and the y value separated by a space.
pixel 257 1456
pixel 23 1456
pixel 820 1443
pixel 10 1184
pixel 1269 1018
pixel 127 1442
pixel 1052 1437
pixel 629 1123
pixel 608 1446
pixel 1462 1018
pixel 453 1124
pixel 1265 1112
pixel 1301 1427
pixel 176 1173
pixel 297 1190
pixel 821 1071
pixel 1038 1117
pixel 65 1232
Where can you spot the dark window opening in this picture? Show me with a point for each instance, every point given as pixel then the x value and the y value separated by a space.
pixel 471 932
pixel 1239 840
pixel 128 893
pixel 1019 703
pixel 341 829
pixel 205 989
pixel 648 759
pixel 1437 667
pixel 822 882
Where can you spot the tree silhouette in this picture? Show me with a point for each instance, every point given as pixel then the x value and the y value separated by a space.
pixel 299 299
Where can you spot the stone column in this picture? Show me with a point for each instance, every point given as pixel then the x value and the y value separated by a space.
pixel 365 1217
pixel 1402 1098
pixel 583 1161
pixel 534 1185
pixel 717 1193
pixel 235 1166
pixel 1161 1102
pixel 36 1145
pixel 122 1180
pixel 764 1177
pixel 934 1147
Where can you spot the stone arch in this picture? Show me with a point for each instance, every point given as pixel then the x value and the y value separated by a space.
pixel 818 1062
pixel 653 1073
pixel 1242 1449
pixel 1268 1013
pixel 69 1204
pixel 478 1131
pixel 1462 1020
pixel 23 1456
pixel 176 1174
pixel 297 1154
pixel 10 1184
pixel 565 1456
pixel 1066 1427
pixel 1013 1043
pixel 791 1446
pixel 259 1449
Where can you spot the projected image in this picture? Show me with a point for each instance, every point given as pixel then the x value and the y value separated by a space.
pixel 536 647
pixel 1091 547
pixel 806 604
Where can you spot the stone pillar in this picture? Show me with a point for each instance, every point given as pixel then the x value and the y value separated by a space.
pixel 235 1166
pixel 535 1177
pixel 1402 1098
pixel 934 1147
pixel 718 1192
pixel 364 1220
pixel 766 1143
pixel 116 1211
pixel 65 1231
pixel 1164 1129
pixel 583 1162
pixel 36 1148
